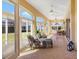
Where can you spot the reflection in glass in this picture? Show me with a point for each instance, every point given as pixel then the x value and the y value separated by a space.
pixel 8 26
pixel 26 27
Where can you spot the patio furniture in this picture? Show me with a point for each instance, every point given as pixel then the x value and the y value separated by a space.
pixel 34 43
pixel 45 42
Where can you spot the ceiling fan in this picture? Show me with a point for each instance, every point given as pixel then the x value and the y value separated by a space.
pixel 51 11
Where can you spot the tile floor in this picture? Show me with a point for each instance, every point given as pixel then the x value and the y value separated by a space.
pixel 59 51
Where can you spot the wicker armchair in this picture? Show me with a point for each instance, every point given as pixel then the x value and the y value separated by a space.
pixel 34 43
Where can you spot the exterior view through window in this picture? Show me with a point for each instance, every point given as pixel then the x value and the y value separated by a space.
pixel 8 29
pixel 26 27
pixel 39 29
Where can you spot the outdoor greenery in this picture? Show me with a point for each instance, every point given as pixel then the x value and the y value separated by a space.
pixel 11 37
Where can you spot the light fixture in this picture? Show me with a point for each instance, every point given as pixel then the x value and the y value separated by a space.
pixel 56 23
pixel 51 11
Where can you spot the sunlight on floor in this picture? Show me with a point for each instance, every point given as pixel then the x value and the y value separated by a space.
pixel 28 51
pixel 59 51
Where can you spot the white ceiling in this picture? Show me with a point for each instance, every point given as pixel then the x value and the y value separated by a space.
pixel 60 7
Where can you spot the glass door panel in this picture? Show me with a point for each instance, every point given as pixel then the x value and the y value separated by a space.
pixel 8 29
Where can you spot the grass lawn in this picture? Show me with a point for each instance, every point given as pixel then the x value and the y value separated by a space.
pixel 11 37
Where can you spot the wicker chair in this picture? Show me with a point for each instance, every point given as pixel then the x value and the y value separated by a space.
pixel 34 43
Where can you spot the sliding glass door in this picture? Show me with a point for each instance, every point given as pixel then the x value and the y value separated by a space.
pixel 26 27
pixel 8 29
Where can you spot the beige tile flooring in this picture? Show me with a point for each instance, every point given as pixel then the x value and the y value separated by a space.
pixel 59 51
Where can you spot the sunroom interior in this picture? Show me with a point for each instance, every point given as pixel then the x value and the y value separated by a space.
pixel 54 18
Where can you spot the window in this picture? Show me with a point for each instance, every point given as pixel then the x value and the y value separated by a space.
pixel 8 31
pixel 39 19
pixel 29 28
pixel 47 25
pixel 26 26
pixel 40 23
pixel 25 14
